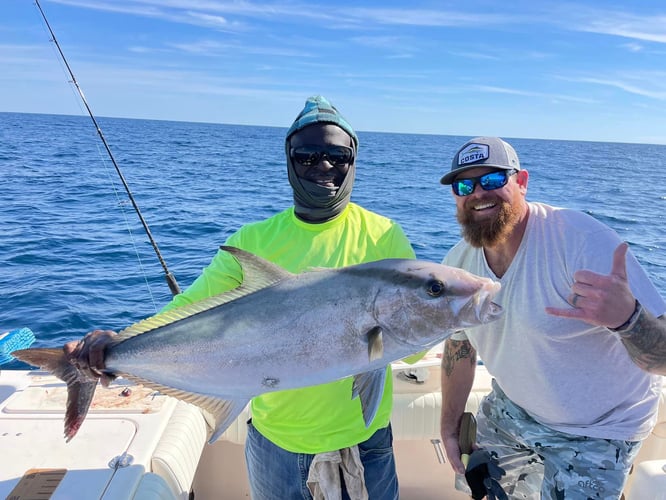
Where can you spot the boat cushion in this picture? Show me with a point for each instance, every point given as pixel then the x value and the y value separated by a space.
pixel 177 454
pixel 153 487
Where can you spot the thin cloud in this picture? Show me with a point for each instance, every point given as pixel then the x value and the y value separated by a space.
pixel 530 93
pixel 425 17
pixel 629 87
pixel 183 13
pixel 395 47
pixel 346 17
pixel 209 20
pixel 645 27
pixel 179 10
pixel 213 48
pixel 475 55
pixel 588 56
pixel 381 42
pixel 115 7
pixel 214 15
pixel 633 47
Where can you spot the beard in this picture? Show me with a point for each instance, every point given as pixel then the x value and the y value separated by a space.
pixel 488 232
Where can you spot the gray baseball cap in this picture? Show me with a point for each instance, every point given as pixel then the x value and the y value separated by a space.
pixel 482 152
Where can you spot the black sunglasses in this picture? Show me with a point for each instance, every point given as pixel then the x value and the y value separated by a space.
pixel 488 182
pixel 309 155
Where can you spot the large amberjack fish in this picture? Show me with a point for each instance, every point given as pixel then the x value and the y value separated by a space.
pixel 280 330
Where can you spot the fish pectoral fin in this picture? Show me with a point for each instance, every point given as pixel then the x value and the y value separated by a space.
pixel 369 387
pixel 375 344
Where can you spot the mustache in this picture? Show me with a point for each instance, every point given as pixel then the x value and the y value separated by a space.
pixel 488 231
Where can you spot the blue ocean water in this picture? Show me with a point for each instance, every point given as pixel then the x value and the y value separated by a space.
pixel 74 256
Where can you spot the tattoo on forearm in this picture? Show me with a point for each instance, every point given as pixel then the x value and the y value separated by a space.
pixel 454 351
pixel 646 343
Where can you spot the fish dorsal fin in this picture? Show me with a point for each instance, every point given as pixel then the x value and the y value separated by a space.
pixel 218 413
pixel 258 273
pixel 369 387
pixel 256 269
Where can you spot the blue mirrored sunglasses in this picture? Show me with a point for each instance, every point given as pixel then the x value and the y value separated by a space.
pixel 488 182
pixel 308 156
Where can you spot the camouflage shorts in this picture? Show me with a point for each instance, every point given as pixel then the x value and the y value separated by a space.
pixel 541 462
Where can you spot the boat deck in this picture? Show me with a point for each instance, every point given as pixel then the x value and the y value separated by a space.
pixel 145 445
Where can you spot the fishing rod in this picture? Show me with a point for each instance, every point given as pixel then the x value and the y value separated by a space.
pixel 170 278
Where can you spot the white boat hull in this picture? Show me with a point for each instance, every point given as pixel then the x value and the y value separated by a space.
pixel 147 446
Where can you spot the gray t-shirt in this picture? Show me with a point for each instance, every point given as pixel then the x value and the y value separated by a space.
pixel 567 374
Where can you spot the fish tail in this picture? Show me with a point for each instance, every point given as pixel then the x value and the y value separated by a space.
pixel 80 388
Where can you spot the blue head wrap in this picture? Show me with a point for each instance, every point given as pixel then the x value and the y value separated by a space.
pixel 312 201
pixel 318 109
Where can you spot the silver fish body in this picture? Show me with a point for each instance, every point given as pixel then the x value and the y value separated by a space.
pixel 280 330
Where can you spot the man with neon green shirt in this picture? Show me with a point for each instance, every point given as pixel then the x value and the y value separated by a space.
pixel 290 429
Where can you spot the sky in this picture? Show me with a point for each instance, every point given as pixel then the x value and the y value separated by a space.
pixel 591 70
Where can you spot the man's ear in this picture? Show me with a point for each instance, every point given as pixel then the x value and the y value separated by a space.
pixel 522 178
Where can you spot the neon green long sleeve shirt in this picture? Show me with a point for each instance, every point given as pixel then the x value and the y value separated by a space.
pixel 324 417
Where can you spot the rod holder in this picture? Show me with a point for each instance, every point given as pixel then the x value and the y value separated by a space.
pixel 437 444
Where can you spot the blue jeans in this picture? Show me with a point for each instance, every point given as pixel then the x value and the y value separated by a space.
pixel 277 474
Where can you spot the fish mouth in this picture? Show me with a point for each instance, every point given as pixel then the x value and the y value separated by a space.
pixel 481 308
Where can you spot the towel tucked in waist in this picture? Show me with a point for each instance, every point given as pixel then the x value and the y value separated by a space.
pixel 324 475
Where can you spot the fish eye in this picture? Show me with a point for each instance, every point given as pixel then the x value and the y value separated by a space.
pixel 435 288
